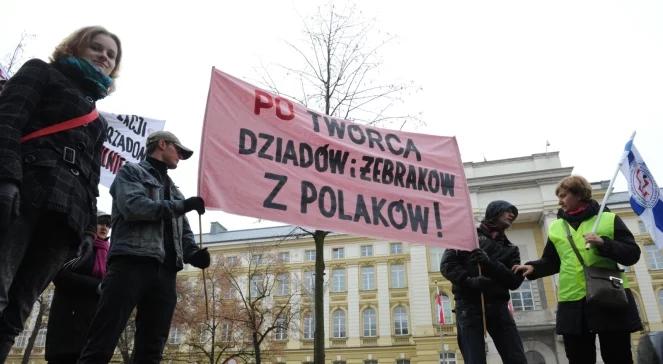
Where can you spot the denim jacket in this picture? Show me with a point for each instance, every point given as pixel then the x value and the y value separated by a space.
pixel 139 212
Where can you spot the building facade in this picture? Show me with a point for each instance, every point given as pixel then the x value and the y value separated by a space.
pixel 379 298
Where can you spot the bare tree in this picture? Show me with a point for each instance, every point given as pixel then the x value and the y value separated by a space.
pixel 248 313
pixel 125 342
pixel 212 325
pixel 340 75
pixel 43 305
pixel 266 297
pixel 14 59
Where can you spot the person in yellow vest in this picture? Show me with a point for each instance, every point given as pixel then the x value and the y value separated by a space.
pixel 613 243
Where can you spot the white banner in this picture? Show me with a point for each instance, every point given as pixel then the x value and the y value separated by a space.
pixel 126 136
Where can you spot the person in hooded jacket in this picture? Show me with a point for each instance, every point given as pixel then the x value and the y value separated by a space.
pixel 496 256
pixel 613 243
pixel 75 298
pixel 49 171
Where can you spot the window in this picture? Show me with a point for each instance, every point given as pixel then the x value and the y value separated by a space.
pixel 257 285
pixel 22 339
pixel 282 284
pixel 402 361
pixel 309 254
pixel 284 257
pixel 367 278
pixel 447 309
pixel 370 361
pixel 397 276
pixel 436 258
pixel 281 329
pixel 447 358
pixel 338 362
pixel 308 326
pixel 366 250
pixel 256 259
pixel 309 281
pixel 41 338
pixel 400 321
pixel 338 322
pixel 521 299
pixel 338 253
pixel 232 261
pixel 654 257
pixel 338 280
pixel 226 332
pixel 370 322
pixel 396 248
pixel 175 336
pixel 228 292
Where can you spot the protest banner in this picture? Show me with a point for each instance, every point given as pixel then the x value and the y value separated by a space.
pixel 125 142
pixel 267 157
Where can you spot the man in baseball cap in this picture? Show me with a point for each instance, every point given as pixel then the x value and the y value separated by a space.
pixel 168 137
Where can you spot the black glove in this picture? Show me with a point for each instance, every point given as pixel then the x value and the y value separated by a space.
pixel 480 256
pixel 194 203
pixel 480 283
pixel 200 259
pixel 10 204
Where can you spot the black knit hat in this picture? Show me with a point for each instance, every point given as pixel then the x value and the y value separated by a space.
pixel 497 207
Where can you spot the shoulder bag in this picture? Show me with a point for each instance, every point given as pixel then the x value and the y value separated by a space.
pixel 605 287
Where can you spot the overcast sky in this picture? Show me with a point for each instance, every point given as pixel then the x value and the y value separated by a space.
pixel 503 76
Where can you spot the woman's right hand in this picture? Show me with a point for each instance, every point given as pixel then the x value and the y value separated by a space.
pixel 524 269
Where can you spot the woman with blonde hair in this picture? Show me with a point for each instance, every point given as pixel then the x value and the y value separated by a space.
pixel 577 320
pixel 51 137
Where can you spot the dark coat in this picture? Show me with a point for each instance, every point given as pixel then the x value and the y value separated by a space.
pixel 576 317
pixel 72 309
pixel 457 267
pixel 37 96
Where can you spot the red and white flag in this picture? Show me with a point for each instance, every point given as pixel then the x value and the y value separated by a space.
pixel 265 156
pixel 440 309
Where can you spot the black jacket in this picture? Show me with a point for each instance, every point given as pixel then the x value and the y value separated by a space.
pixel 72 310
pixel 456 267
pixel 576 317
pixel 37 96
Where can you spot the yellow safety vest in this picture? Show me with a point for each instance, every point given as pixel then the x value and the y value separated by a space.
pixel 571 276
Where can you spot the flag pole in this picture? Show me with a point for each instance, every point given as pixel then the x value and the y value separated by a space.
pixel 200 235
pixel 444 350
pixel 609 190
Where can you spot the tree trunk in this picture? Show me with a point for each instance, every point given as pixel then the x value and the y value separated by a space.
pixel 319 340
pixel 35 331
pixel 256 347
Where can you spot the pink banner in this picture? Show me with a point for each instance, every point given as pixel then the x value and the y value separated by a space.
pixel 267 157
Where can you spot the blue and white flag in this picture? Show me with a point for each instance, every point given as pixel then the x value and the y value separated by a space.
pixel 645 194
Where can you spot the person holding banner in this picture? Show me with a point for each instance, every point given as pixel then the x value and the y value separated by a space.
pixel 151 242
pixel 50 146
pixel 613 243
pixel 491 283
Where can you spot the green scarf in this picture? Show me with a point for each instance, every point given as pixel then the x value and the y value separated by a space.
pixel 89 76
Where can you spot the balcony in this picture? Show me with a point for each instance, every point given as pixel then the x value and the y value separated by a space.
pixel 369 341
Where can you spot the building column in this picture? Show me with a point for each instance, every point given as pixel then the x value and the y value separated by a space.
pixel 384 309
pixel 649 300
pixel 417 280
pixel 353 305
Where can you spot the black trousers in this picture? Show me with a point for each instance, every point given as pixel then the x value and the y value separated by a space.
pixel 615 348
pixel 132 282
pixel 32 251
pixel 500 326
